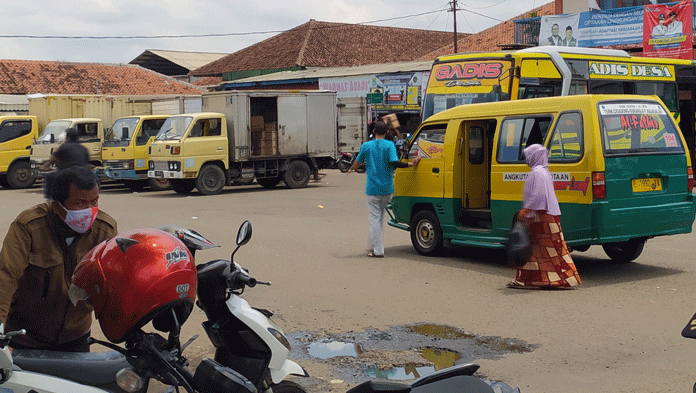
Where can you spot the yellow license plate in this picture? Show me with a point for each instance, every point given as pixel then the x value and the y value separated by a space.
pixel 645 185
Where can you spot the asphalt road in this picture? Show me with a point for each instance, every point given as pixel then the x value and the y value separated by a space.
pixel 618 332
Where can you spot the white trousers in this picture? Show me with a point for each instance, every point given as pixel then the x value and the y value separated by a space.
pixel 376 206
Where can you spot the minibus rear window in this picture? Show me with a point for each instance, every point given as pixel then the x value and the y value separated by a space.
pixel 638 128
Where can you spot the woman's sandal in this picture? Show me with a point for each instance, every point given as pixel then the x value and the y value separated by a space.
pixel 373 255
pixel 515 284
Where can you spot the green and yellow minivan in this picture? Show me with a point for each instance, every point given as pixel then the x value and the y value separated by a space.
pixel 621 172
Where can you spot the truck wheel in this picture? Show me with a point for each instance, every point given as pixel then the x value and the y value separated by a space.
pixel 268 182
pixel 297 175
pixel 625 251
pixel 210 180
pixel 135 185
pixel 20 175
pixel 158 184
pixel 182 186
pixel 426 233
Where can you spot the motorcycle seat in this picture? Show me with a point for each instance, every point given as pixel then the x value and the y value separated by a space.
pixel 87 368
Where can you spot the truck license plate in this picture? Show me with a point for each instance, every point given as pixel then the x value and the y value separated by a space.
pixel 646 185
pixel 159 174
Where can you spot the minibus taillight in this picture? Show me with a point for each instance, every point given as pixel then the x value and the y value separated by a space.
pixel 599 186
pixel 690 176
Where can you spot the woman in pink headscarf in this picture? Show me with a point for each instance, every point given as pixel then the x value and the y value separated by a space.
pixel 550 265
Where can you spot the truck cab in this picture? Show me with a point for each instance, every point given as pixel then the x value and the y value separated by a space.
pixel 125 151
pixel 17 133
pixel 191 151
pixel 91 136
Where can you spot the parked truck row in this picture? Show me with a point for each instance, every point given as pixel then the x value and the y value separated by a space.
pixel 267 136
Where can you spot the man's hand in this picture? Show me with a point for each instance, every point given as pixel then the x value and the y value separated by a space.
pixel 414 162
pixel 355 166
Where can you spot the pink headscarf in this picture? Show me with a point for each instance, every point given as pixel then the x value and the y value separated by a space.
pixel 538 189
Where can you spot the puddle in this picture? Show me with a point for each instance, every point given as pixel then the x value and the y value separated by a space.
pixel 332 349
pixel 439 331
pixel 439 358
pixel 400 353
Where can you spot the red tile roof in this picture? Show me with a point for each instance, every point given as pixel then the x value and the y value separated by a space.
pixel 326 44
pixel 53 77
pixel 489 40
pixel 207 81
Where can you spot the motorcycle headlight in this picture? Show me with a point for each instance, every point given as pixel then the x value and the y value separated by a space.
pixel 129 380
pixel 280 337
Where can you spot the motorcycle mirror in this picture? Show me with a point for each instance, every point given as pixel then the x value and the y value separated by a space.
pixel 244 234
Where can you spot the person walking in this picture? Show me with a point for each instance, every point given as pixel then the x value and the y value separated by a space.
pixel 550 264
pixel 69 153
pixel 380 159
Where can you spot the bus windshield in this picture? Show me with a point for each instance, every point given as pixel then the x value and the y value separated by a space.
pixel 470 81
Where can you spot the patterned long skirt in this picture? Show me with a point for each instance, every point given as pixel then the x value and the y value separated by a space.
pixel 550 265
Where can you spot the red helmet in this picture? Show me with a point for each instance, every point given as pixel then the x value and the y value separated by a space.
pixel 134 278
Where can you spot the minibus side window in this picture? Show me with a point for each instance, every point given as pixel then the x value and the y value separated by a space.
pixel 567 140
pixel 516 134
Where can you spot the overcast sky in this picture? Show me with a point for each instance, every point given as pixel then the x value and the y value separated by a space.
pixel 127 18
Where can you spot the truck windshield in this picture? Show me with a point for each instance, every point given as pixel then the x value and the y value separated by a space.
pixel 174 128
pixel 630 128
pixel 127 124
pixel 56 128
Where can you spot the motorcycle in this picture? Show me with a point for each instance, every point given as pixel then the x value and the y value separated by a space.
pixel 689 331
pixel 149 355
pixel 346 160
pixel 130 369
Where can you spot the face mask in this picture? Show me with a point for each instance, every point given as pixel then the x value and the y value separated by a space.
pixel 80 220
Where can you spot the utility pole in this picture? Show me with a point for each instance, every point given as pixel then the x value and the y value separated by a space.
pixel 454 13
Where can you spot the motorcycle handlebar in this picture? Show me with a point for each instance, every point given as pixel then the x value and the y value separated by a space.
pixel 237 277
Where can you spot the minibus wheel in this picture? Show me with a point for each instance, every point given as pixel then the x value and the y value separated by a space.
pixel 426 233
pixel 624 251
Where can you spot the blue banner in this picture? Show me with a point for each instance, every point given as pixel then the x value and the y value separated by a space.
pixel 611 27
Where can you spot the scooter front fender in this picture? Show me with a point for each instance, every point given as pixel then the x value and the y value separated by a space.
pixel 26 381
pixel 288 368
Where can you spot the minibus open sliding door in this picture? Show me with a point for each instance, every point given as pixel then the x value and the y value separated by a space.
pixel 476 165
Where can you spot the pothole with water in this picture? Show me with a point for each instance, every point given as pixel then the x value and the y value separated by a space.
pixel 401 353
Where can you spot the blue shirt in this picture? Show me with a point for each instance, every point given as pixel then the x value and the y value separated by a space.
pixel 376 155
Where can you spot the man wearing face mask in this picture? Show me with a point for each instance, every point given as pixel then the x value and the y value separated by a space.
pixel 39 254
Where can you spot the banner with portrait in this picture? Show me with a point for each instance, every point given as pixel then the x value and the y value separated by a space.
pixel 559 30
pixel 667 31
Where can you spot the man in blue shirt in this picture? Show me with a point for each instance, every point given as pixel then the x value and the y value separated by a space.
pixel 380 159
